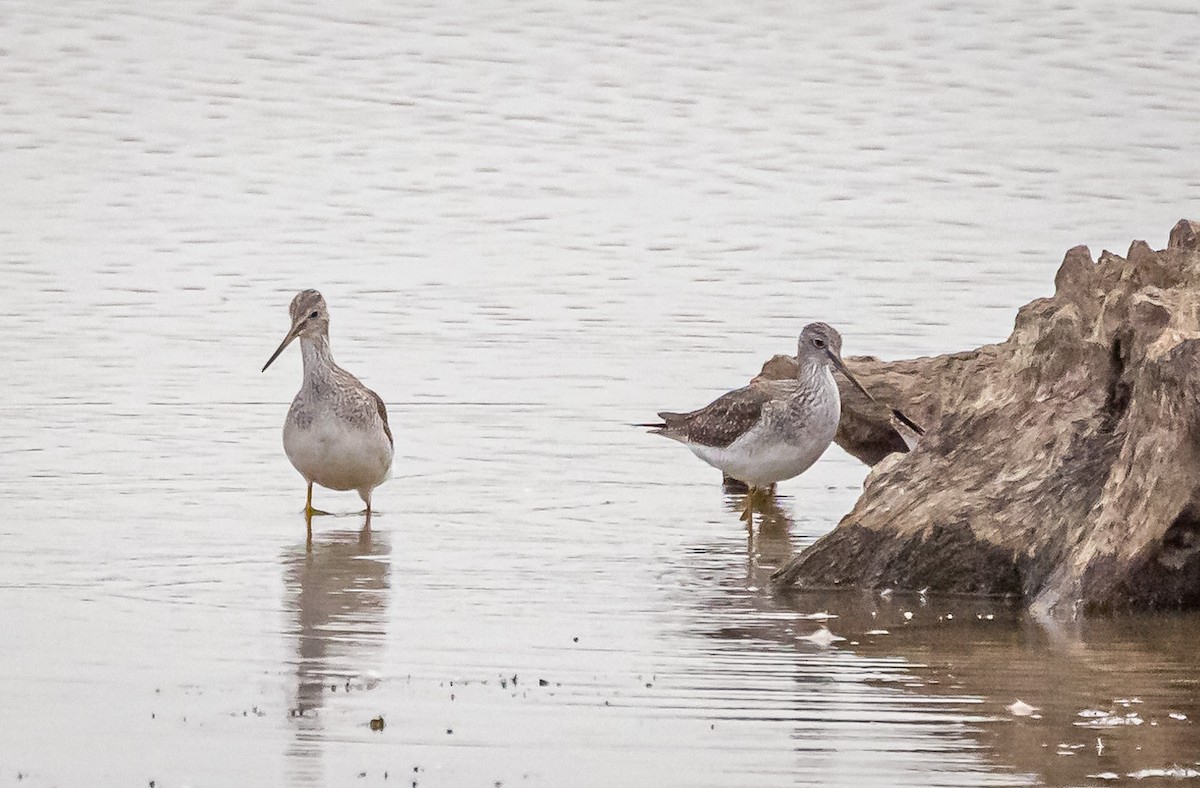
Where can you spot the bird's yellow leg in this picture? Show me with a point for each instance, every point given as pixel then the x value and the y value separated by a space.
pixel 759 497
pixel 748 510
pixel 309 511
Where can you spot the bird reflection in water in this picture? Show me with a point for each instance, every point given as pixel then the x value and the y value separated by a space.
pixel 336 596
pixel 769 544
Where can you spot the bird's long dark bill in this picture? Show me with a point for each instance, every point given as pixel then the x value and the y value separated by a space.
pixel 291 335
pixel 837 362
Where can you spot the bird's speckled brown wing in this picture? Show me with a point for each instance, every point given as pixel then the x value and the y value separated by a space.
pixel 355 402
pixel 382 415
pixel 725 419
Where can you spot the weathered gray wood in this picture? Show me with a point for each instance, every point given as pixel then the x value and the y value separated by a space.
pixel 1061 465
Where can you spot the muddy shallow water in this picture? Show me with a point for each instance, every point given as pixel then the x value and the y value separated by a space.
pixel 535 225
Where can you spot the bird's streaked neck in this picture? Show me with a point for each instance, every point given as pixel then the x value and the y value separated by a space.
pixel 318 358
pixel 812 370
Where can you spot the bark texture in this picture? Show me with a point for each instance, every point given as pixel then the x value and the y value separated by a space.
pixel 1061 465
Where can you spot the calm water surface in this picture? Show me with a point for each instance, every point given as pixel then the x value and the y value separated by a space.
pixel 535 224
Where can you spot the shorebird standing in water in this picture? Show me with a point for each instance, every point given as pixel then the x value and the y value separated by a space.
pixel 336 432
pixel 770 430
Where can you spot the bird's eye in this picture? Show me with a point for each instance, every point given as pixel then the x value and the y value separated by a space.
pixel 819 342
pixel 314 315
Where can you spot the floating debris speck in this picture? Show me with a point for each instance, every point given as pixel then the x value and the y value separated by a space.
pixel 1173 772
pixel 822 637
pixel 1111 721
pixel 1020 708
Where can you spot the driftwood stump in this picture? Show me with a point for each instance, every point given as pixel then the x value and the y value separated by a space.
pixel 1061 465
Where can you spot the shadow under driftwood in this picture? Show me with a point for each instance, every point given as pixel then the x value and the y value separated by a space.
pixel 1060 465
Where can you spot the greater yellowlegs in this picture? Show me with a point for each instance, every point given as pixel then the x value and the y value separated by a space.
pixel 336 432
pixel 770 430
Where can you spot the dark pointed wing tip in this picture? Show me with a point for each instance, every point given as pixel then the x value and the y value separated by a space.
pixel 666 417
pixel 905 420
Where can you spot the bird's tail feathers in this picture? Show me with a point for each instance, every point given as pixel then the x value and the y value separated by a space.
pixel 667 426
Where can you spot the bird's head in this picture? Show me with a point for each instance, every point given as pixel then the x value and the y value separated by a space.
pixel 310 319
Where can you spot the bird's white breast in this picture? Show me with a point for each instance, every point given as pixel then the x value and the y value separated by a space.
pixel 337 454
pixel 762 461
pixel 767 453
